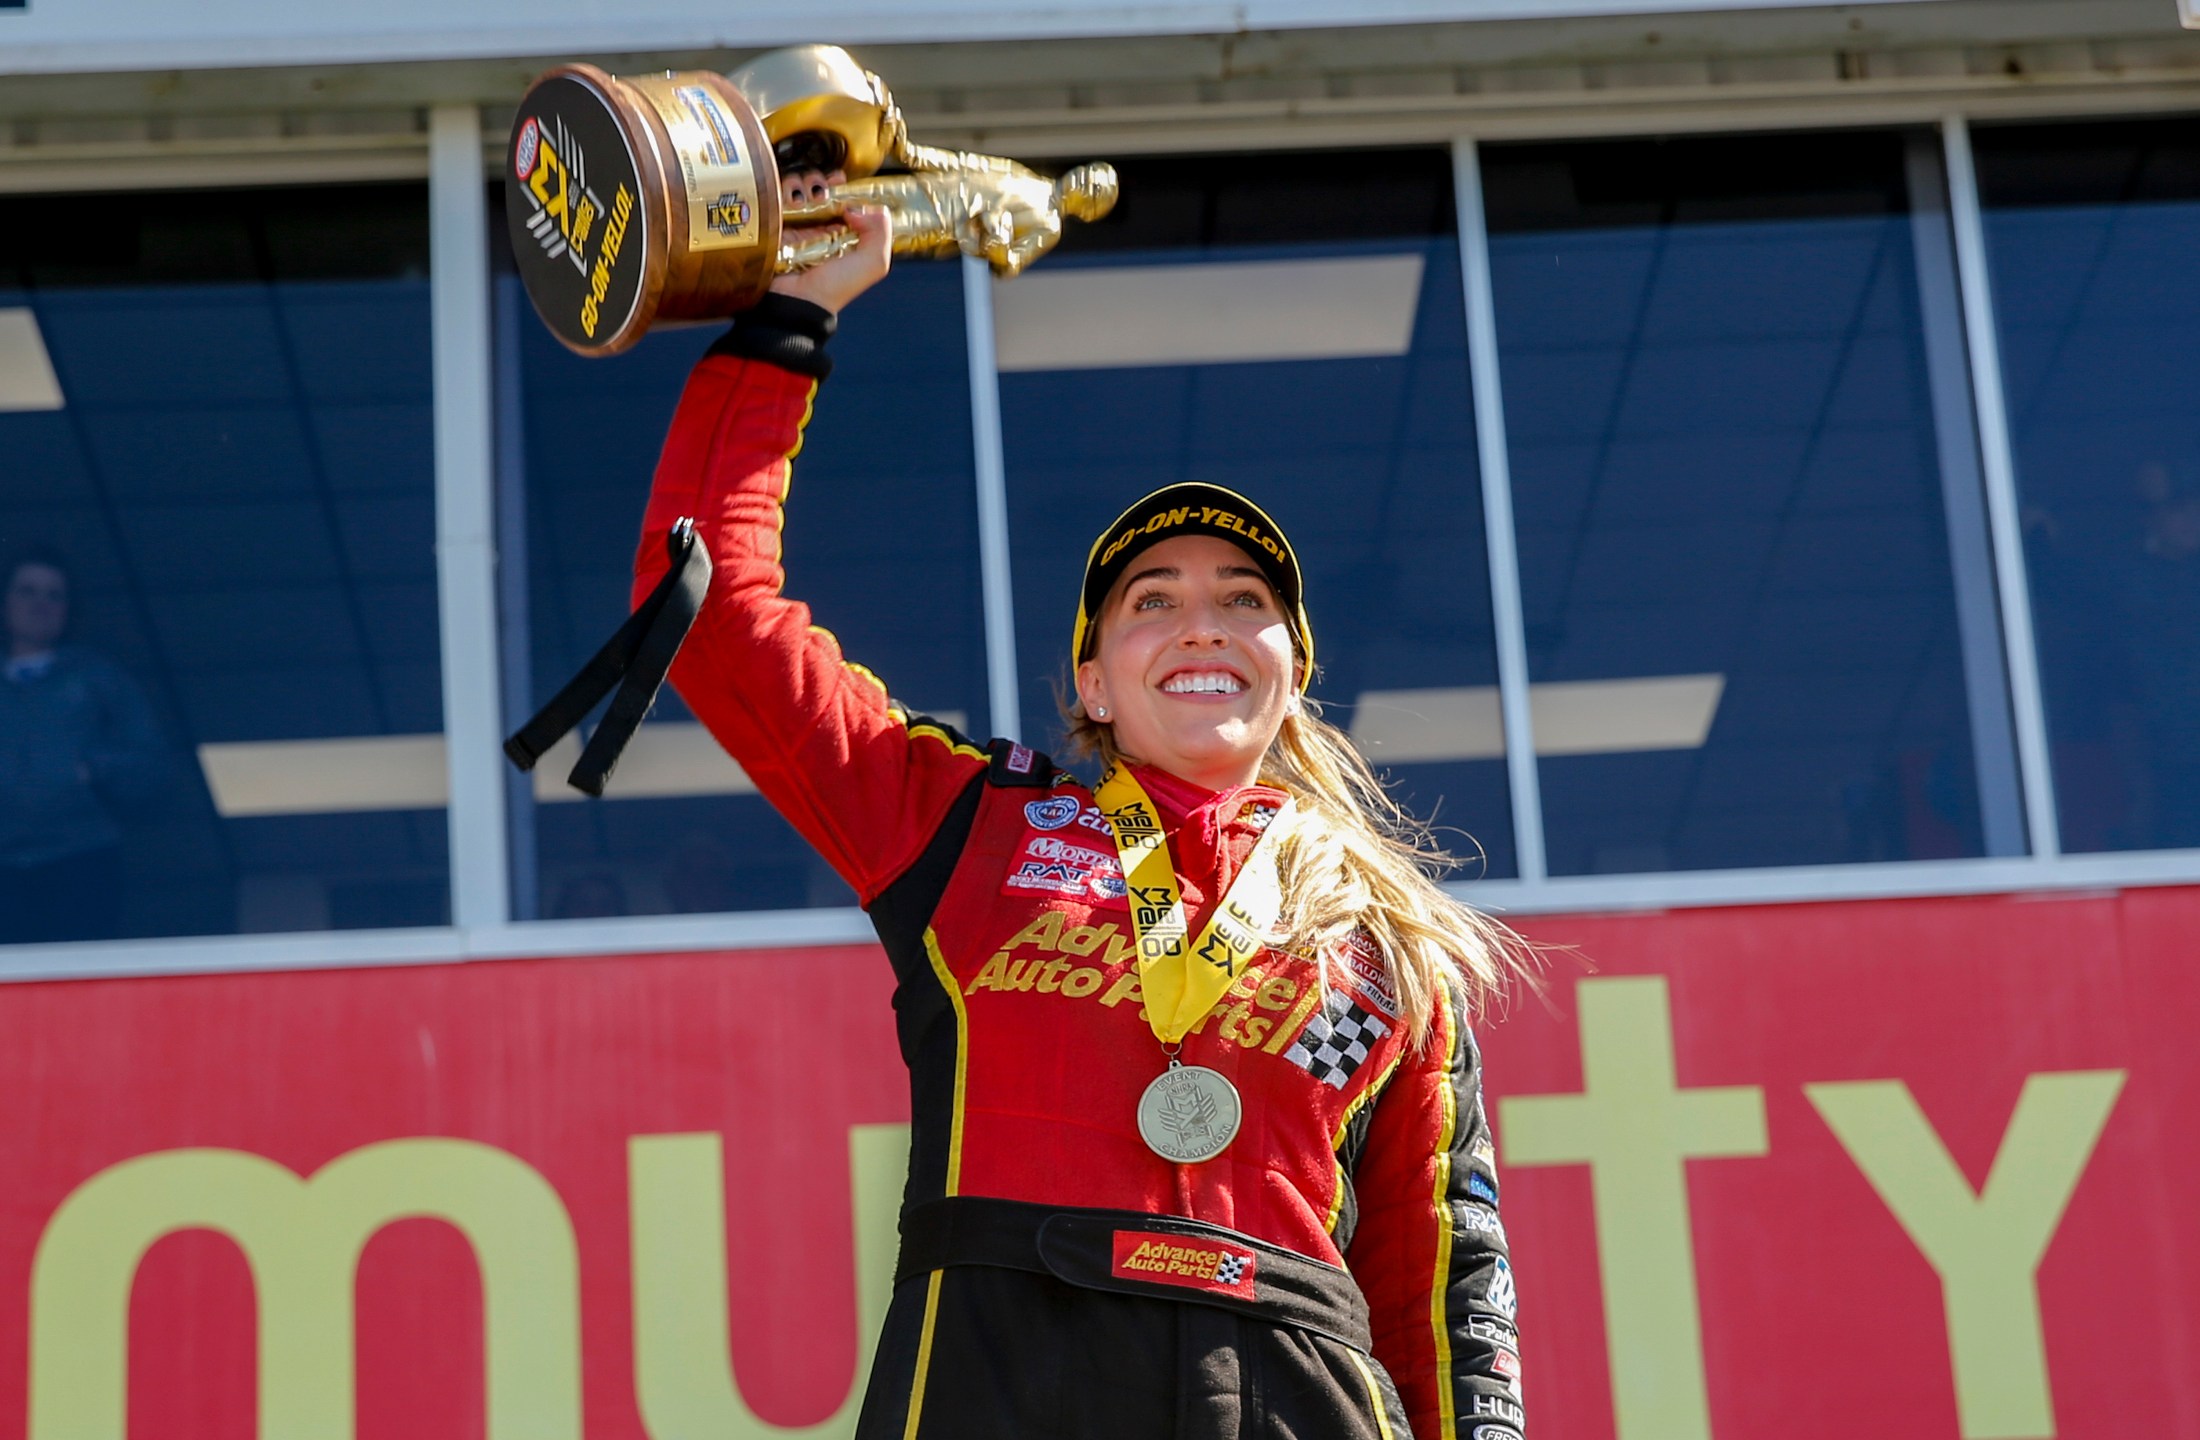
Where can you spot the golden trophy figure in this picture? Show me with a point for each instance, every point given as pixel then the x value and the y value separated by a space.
pixel 657 197
pixel 1006 218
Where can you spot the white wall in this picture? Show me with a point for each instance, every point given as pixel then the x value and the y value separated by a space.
pixel 59 36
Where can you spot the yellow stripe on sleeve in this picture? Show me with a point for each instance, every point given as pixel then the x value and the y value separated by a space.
pixel 1336 1141
pixel 801 433
pixel 802 426
pixel 1446 1408
pixel 901 715
pixel 934 732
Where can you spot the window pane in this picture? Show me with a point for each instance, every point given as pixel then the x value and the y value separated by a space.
pixel 219 508
pixel 881 542
pixel 1740 436
pixel 2092 232
pixel 1289 326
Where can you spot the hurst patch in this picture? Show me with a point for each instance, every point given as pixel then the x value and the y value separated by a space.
pixel 1185 1260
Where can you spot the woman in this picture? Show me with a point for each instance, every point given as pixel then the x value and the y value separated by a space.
pixel 1180 1047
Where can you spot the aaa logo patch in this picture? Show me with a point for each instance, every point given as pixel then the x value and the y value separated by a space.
pixel 1052 813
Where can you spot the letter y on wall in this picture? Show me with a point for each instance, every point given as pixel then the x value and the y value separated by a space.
pixel 1987 1246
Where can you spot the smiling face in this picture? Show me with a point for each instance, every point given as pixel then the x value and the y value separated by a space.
pixel 1194 666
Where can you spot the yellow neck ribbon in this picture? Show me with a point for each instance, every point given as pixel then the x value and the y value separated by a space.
pixel 1182 982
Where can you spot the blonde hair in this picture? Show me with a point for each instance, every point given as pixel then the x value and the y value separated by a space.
pixel 1353 862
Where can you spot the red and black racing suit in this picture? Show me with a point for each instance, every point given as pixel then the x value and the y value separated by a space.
pixel 1057 1277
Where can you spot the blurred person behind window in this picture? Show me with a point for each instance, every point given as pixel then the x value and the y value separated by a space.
pixel 2162 603
pixel 78 753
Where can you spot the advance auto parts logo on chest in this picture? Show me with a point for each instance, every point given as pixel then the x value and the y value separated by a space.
pixel 573 207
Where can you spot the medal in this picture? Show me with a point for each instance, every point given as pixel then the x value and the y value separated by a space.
pixel 1189 1113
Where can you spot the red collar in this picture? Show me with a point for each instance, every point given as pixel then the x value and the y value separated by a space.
pixel 1210 831
pixel 1180 800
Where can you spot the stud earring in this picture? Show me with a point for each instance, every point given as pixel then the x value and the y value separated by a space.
pixel 1100 712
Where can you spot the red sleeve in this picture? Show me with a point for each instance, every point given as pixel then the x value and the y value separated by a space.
pixel 1429 1249
pixel 817 735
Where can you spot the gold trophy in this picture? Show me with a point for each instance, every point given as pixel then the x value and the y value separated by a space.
pixel 657 196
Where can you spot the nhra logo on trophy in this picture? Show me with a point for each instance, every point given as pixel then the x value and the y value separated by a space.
pixel 554 174
pixel 657 196
pixel 571 267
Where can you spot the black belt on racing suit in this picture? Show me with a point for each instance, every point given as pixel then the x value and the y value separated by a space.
pixel 1102 1250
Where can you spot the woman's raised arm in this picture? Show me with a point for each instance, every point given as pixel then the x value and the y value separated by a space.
pixel 864 782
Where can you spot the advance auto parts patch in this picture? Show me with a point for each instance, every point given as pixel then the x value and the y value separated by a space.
pixel 573 205
pixel 1187 1260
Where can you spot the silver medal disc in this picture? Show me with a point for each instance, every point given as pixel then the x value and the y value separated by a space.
pixel 1189 1114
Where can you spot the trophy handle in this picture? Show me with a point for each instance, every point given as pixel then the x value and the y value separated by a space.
pixel 635 200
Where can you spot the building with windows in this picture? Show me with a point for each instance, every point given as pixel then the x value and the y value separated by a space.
pixel 1750 495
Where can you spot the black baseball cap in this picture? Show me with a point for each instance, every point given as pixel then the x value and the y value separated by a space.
pixel 1193 507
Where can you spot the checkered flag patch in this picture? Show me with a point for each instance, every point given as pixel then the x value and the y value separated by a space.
pixel 1231 1269
pixel 1336 1040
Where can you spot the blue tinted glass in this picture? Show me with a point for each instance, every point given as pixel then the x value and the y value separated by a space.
pixel 2092 232
pixel 881 542
pixel 1733 507
pixel 1319 297
pixel 223 708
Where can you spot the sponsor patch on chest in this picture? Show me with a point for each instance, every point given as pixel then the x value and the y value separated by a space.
pixel 1059 812
pixel 1364 966
pixel 1051 865
pixel 1052 813
pixel 1185 1260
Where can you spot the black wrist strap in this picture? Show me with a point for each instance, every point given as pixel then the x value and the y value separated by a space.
pixel 634 659
pixel 783 331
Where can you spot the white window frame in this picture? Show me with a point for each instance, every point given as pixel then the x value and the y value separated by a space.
pixel 458 164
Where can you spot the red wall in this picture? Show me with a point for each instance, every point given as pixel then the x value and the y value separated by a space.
pixel 1819 1315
